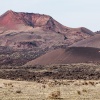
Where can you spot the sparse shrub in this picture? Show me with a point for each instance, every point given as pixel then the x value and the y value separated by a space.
pixel 79 92
pixel 18 91
pixel 97 83
pixel 43 86
pixel 77 84
pixel 19 79
pixel 0 87
pixel 85 83
pixel 51 84
pixel 84 90
pixel 32 32
pixel 5 93
pixel 92 83
pixel 55 95
pixel 8 84
pixel 5 84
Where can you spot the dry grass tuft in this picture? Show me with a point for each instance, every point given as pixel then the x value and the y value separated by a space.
pixel 18 91
pixel 8 84
pixel 79 92
pixel 85 83
pixel 43 86
pixel 55 95
pixel 51 84
pixel 19 79
pixel 84 90
pixel 92 83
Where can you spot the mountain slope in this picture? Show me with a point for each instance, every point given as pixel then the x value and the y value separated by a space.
pixel 89 42
pixel 67 56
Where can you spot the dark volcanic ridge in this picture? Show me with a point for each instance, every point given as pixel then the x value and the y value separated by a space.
pixel 40 73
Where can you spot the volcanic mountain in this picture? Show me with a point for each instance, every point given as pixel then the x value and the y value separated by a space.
pixel 27 36
pixel 21 30
pixel 14 21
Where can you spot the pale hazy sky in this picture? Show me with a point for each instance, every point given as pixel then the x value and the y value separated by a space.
pixel 71 13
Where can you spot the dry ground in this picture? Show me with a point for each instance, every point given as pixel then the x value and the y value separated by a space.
pixel 50 90
pixel 51 82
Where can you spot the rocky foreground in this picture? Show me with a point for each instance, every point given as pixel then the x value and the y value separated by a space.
pixel 39 73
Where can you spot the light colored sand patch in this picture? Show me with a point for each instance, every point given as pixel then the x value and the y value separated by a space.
pixel 66 89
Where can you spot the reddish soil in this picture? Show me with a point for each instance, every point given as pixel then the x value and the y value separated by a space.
pixel 12 20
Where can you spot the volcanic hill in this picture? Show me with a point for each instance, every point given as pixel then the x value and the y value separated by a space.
pixel 68 56
pixel 93 42
pixel 26 36
pixel 28 30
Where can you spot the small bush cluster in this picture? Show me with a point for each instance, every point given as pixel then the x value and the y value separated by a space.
pixel 18 91
pixel 55 95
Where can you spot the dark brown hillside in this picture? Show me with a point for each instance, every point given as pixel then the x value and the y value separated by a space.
pixel 89 42
pixel 70 55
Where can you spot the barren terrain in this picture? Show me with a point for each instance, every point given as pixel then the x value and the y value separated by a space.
pixel 50 90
